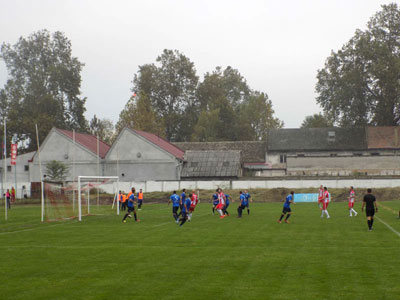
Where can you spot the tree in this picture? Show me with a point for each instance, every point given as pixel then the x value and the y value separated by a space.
pixel 316 121
pixel 43 87
pixel 56 171
pixel 170 87
pixel 359 84
pixel 139 114
pixel 103 129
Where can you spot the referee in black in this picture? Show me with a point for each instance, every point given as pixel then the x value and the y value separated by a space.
pixel 371 207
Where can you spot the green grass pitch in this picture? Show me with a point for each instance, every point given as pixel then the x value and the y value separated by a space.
pixel 208 258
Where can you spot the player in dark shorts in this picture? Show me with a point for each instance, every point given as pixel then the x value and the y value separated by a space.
pixel 286 208
pixel 175 205
pixel 131 207
pixel 371 208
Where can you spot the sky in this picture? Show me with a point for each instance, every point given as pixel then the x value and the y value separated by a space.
pixel 277 46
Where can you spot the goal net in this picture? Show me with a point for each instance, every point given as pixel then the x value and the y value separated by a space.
pixel 89 195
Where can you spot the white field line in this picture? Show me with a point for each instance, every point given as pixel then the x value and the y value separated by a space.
pixel 388 226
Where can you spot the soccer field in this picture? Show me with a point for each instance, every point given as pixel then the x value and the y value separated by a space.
pixel 208 258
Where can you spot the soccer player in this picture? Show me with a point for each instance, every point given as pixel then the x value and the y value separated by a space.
pixel 351 202
pixel 371 207
pixel 247 195
pixel 325 203
pixel 320 197
pixel 227 202
pixel 215 200
pixel 185 209
pixel 286 208
pixel 183 197
pixel 131 207
pixel 242 199
pixel 175 205
pixel 193 202
pixel 221 203
pixel 140 199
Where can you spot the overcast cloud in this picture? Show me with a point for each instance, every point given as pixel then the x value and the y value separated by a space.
pixel 278 46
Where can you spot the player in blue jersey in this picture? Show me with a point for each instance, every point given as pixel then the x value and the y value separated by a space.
pixel 185 209
pixel 183 197
pixel 242 204
pixel 215 200
pixel 175 205
pixel 131 207
pixel 247 195
pixel 286 208
pixel 227 202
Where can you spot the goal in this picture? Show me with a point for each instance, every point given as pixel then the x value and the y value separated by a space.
pixel 70 200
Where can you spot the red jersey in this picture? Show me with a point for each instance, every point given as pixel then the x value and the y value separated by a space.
pixel 326 196
pixel 194 200
pixel 321 195
pixel 221 198
pixel 352 196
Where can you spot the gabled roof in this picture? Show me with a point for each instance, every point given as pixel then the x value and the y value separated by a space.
pixel 383 137
pixel 88 141
pixel 163 144
pixel 317 139
pixel 212 164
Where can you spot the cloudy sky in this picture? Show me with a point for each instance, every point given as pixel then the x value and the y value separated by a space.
pixel 278 46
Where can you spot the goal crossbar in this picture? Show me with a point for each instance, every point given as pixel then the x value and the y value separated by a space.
pixel 79 192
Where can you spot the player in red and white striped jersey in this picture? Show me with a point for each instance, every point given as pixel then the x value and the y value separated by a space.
pixel 325 203
pixel 352 197
pixel 221 203
pixel 320 196
pixel 194 200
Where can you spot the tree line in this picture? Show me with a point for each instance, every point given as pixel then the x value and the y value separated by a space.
pixel 358 86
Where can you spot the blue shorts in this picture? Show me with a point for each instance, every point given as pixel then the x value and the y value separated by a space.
pixel 215 203
pixel 286 209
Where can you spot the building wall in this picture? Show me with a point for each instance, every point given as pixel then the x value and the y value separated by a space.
pixel 368 165
pixel 139 159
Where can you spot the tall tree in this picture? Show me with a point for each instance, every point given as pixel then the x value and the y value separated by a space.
pixel 139 114
pixel 316 121
pixel 359 84
pixel 170 86
pixel 43 87
pixel 103 129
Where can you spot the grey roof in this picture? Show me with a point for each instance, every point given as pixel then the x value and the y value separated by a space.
pixel 211 164
pixel 252 151
pixel 317 139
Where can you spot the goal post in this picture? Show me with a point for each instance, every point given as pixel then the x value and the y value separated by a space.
pixel 80 178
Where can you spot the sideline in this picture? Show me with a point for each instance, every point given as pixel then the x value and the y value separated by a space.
pixel 38 227
pixel 388 226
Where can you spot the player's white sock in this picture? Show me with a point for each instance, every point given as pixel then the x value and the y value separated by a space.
pixel 350 213
pixel 327 214
pixel 322 214
pixel 220 212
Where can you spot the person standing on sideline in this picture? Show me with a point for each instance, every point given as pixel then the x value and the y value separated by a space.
pixel 352 196
pixel 320 197
pixel 140 199
pixel 371 207
pixel 8 198
pixel 12 194
pixel 325 203
pixel 175 205
pixel 286 208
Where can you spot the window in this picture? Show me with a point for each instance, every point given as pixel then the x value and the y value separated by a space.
pixel 8 168
pixel 375 154
pixel 333 154
pixel 194 164
pixel 26 168
pixel 300 155
pixel 225 164
pixel 331 134
pixel 282 158
pixel 357 154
